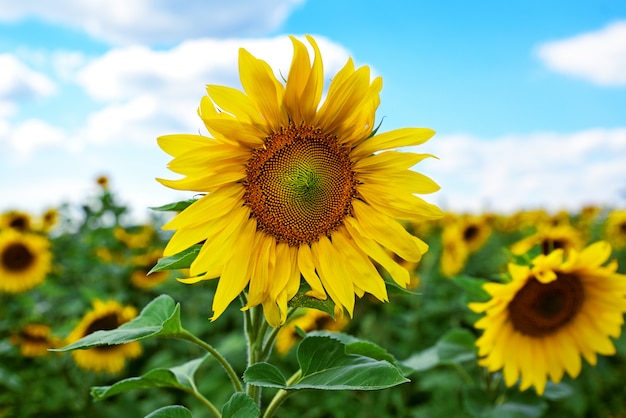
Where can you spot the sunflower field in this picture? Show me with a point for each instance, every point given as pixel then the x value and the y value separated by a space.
pixel 305 278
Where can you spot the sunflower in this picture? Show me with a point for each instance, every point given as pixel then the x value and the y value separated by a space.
pixel 549 238
pixel 462 235
pixel 311 320
pixel 107 358
pixel 142 265
pixel 562 306
pixel 615 228
pixel 25 260
pixel 49 219
pixel 103 182
pixel 34 340
pixel 16 219
pixel 137 237
pixel 296 186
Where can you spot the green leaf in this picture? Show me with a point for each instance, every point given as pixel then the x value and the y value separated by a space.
pixel 473 286
pixel 357 346
pixel 160 318
pixel 325 365
pixel 172 411
pixel 265 373
pixel 516 405
pixel 182 260
pixel 455 347
pixel 175 206
pixel 240 405
pixel 179 377
pixel 301 300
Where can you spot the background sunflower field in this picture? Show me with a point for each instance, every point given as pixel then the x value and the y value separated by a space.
pixel 95 265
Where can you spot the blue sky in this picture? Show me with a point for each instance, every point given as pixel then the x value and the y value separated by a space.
pixel 528 98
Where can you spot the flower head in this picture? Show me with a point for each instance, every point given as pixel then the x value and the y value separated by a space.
pixel 297 187
pixel 537 326
pixel 34 340
pixel 107 358
pixel 25 260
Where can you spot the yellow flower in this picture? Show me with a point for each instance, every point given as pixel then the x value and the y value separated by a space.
pixel 462 235
pixel 550 238
pixel 25 260
pixel 311 320
pixel 295 186
pixel 34 340
pixel 538 325
pixel 142 265
pixel 615 228
pixel 16 219
pixel 49 219
pixel 103 182
pixel 107 358
pixel 139 237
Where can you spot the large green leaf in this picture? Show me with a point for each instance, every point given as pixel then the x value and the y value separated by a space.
pixel 181 260
pixel 179 377
pixel 240 405
pixel 357 346
pixel 326 364
pixel 160 318
pixel 455 347
pixel 172 411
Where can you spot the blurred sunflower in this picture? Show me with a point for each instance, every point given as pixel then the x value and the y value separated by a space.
pixel 615 228
pixel 138 237
pixel 16 219
pixel 103 182
pixel 462 235
pixel 142 264
pixel 49 219
pixel 25 260
pixel 107 358
pixel 34 340
pixel 548 238
pixel 537 326
pixel 311 320
pixel 295 186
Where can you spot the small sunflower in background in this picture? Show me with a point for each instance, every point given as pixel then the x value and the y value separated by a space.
pixel 548 238
pixel 615 228
pixel 552 312
pixel 136 237
pixel 297 186
pixel 17 220
pixel 311 320
pixel 25 260
pixel 34 340
pixel 462 235
pixel 105 315
pixel 103 182
pixel 142 264
pixel 49 219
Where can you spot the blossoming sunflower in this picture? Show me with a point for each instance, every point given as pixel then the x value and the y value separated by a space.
pixel 16 219
pixel 538 325
pixel 106 358
pixel 34 340
pixel 141 267
pixel 25 260
pixel 296 186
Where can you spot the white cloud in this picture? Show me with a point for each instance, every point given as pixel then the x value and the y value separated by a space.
pixel 30 135
pixel 599 56
pixel 548 170
pixel 156 21
pixel 152 92
pixel 18 82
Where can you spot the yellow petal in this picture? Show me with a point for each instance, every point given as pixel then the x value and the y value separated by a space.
pixel 398 205
pixel 307 268
pixel 235 276
pixel 333 274
pixel 235 102
pixel 180 143
pixel 393 139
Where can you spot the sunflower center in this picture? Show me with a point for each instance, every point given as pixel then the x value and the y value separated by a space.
pixel 104 323
pixel 300 186
pixel 540 309
pixel 470 233
pixel 17 257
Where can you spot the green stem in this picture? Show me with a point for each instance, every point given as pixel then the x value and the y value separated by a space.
pixel 216 413
pixel 269 342
pixel 280 396
pixel 253 324
pixel 220 359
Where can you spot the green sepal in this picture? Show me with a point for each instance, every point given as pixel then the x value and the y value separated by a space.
pixel 301 300
pixel 181 260
pixel 175 206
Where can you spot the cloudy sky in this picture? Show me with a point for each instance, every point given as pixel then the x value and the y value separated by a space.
pixel 528 97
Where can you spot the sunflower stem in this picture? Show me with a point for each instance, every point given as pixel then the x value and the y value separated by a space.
pixel 269 342
pixel 281 395
pixel 216 413
pixel 254 329
pixel 220 359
